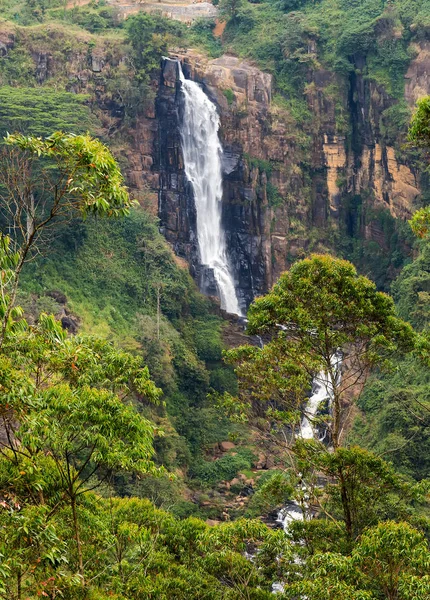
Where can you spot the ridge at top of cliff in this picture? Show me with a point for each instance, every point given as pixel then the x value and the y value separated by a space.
pixel 229 73
pixel 186 11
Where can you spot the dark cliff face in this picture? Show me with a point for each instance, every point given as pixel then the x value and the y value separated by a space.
pixel 339 182
pixel 176 207
pixel 242 217
pixel 284 194
pixel 244 223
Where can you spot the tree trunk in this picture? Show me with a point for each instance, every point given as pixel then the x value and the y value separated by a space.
pixel 77 536
pixel 345 504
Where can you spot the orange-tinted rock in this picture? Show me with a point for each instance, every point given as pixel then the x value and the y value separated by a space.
pixel 226 446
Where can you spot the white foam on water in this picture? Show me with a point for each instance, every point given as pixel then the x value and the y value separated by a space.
pixel 202 152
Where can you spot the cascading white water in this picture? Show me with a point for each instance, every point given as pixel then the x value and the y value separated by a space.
pixel 202 153
pixel 319 393
pixel 322 389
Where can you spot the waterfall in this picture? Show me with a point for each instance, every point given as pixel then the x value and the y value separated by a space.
pixel 202 153
pixel 322 389
pixel 319 393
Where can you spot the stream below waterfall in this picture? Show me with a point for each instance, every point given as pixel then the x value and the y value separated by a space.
pixel 322 390
pixel 202 152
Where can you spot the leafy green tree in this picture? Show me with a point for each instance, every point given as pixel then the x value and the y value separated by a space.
pixel 146 35
pixel 29 546
pixel 85 430
pixel 363 489
pixel 45 180
pixel 317 309
pixel 391 561
pixel 147 552
pixel 390 554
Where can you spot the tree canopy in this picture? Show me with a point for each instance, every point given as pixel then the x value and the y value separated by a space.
pixel 419 135
pixel 391 561
pixel 319 308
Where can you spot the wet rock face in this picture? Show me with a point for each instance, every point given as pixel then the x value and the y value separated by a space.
pixel 176 207
pixel 232 85
pixel 242 219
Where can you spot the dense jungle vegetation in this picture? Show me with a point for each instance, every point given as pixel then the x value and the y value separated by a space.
pixel 128 444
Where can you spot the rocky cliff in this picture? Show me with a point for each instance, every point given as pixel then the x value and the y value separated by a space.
pixel 289 188
pixel 242 94
pixel 286 191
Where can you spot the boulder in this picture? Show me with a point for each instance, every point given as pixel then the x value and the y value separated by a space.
pixel 226 446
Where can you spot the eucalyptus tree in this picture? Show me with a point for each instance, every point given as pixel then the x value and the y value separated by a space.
pixel 85 430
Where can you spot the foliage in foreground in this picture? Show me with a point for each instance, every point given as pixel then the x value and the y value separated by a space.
pixel 322 321
pixel 69 421
pixel 390 561
pixel 73 398
pixel 46 180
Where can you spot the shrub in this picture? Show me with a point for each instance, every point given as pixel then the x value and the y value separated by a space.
pixel 222 469
pixel 229 94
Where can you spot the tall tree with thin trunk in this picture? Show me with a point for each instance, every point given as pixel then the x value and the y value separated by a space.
pixel 44 181
pixel 319 309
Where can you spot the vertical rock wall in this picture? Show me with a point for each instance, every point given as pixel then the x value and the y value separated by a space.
pixel 285 190
pixel 175 197
pixel 252 139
